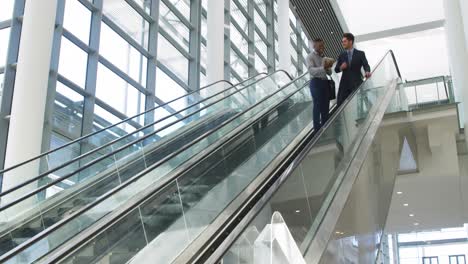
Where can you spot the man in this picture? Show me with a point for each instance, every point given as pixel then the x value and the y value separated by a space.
pixel 319 68
pixel 350 62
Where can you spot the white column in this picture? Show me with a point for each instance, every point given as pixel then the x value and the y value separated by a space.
pixel 215 41
pixel 458 56
pixel 464 14
pixel 284 32
pixel 30 92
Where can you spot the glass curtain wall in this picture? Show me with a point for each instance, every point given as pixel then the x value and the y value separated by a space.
pixel 124 57
pixel 253 35
pixel 299 43
pixel 95 89
pixel 6 13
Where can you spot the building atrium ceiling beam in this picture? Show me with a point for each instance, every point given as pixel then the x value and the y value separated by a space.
pixel 401 31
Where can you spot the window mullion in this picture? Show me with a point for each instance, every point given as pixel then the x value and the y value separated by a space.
pixel 91 72
pixel 152 62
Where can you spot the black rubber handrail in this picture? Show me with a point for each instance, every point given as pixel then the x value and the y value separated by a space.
pixel 102 157
pixel 124 121
pixel 103 197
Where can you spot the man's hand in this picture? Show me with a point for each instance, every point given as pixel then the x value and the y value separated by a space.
pixel 344 66
pixel 328 63
pixel 368 75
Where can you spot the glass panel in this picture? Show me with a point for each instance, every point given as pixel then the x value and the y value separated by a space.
pixel 239 66
pixel 262 6
pixel 6 12
pixel 260 23
pixel 238 16
pixel 4 39
pixel 239 41
pixel 68 112
pixel 2 79
pixel 174 26
pixel 120 53
pixel 144 4
pixel 75 11
pixel 260 64
pixel 303 198
pixel 260 45
pixel 183 6
pixel 102 119
pixel 133 158
pixel 73 62
pixel 203 56
pixel 172 58
pixel 203 81
pixel 118 93
pixel 167 89
pixel 128 19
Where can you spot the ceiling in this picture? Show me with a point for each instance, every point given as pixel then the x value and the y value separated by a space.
pixel 366 16
pixel 431 198
pixel 319 21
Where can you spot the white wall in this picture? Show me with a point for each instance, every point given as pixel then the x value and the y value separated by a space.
pixel 419 55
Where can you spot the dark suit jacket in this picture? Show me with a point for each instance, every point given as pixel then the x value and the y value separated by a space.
pixel 352 76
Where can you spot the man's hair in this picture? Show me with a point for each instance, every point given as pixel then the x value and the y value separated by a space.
pixel 349 37
pixel 317 40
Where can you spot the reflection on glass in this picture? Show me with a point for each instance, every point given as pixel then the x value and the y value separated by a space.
pixel 6 11
pixel 68 112
pixel 73 62
pixel 103 118
pixel 260 65
pixel 167 89
pixel 239 66
pixel 118 93
pixel 260 45
pixel 183 6
pixel 260 23
pixel 4 38
pixel 75 11
pixel 2 79
pixel 174 26
pixel 239 41
pixel 128 19
pixel 239 17
pixel 120 53
pixel 172 58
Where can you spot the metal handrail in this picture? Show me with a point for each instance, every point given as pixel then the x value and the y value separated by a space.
pixel 291 163
pixel 432 80
pixel 87 165
pixel 70 217
pixel 124 121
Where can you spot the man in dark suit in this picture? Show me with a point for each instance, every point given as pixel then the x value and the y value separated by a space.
pixel 350 62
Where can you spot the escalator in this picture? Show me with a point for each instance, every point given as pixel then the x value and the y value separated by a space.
pixel 296 213
pixel 34 210
pixel 31 211
pixel 213 198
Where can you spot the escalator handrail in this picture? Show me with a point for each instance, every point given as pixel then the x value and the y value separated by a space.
pixel 126 120
pixel 161 186
pixel 102 157
pixel 290 163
